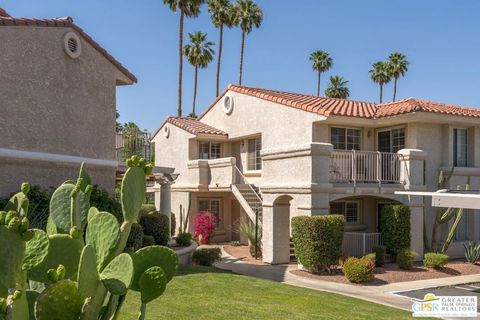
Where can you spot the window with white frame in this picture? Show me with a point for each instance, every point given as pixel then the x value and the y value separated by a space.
pixel 391 140
pixel 214 206
pixel 459 147
pixel 349 209
pixel 345 138
pixel 254 160
pixel 209 150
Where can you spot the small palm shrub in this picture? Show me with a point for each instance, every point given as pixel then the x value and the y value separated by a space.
pixel 395 224
pixel 405 259
pixel 435 260
pixel 359 269
pixel 472 251
pixel 247 229
pixel 184 239
pixel 156 225
pixel 206 256
pixel 380 252
pixel 135 239
pixel 318 241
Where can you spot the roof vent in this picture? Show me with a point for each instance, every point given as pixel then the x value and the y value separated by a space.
pixel 72 45
pixel 228 104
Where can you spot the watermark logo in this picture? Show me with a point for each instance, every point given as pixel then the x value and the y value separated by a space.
pixel 445 306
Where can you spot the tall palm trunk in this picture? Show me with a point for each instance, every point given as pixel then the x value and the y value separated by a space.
pixel 180 63
pixel 318 84
pixel 220 45
pixel 381 93
pixel 195 91
pixel 241 58
pixel 394 89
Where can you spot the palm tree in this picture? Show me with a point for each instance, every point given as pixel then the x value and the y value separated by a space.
pixel 221 15
pixel 187 8
pixel 398 67
pixel 321 63
pixel 337 88
pixel 380 74
pixel 199 53
pixel 248 15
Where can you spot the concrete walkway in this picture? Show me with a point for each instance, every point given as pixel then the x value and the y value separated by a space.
pixel 383 294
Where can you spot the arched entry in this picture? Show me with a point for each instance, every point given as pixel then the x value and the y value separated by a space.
pixel 276 231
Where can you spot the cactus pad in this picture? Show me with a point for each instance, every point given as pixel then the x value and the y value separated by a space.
pixel 18 200
pixel 59 301
pixel 12 249
pixel 60 207
pixel 132 193
pixel 91 213
pixel 63 250
pixel 85 178
pixel 152 284
pixel 103 233
pixel 117 275
pixel 87 273
pixel 153 256
pixel 19 309
pixel 36 249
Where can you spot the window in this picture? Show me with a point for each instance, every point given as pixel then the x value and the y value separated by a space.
pixel 349 209
pixel 391 140
pixel 345 138
pixel 254 160
pixel 210 150
pixel 460 147
pixel 214 207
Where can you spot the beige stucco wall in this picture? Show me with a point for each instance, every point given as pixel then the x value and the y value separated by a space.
pixel 54 104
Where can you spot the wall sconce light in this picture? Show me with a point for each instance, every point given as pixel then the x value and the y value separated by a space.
pixel 369 133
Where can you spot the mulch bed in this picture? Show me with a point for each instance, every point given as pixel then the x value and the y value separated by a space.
pixel 391 273
pixel 242 253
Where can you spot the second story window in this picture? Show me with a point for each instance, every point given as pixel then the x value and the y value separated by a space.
pixel 391 140
pixel 209 150
pixel 459 147
pixel 345 138
pixel 254 160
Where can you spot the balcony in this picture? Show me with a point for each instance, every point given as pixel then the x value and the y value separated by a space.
pixel 131 142
pixel 366 167
pixel 215 173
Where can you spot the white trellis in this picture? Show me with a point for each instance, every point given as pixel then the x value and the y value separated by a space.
pixel 467 199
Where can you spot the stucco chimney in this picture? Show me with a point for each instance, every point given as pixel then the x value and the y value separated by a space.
pixel 4 13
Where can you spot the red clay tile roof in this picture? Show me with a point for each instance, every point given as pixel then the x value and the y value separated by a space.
pixel 67 22
pixel 194 126
pixel 340 107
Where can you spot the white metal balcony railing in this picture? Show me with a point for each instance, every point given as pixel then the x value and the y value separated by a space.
pixel 129 143
pixel 365 167
pixel 360 243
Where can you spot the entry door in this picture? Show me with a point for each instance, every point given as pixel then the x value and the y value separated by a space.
pixel 379 214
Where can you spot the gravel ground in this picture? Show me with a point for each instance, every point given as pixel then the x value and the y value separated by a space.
pixel 242 253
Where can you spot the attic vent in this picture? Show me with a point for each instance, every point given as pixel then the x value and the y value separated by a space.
pixel 228 104
pixel 72 45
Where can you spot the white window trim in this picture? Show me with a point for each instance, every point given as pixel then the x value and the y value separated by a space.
pixel 377 131
pixel 209 149
pixel 253 171
pixel 345 127
pixel 359 211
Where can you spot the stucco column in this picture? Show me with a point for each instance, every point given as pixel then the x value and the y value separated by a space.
pixel 275 237
pixel 165 198
pixel 412 168
pixel 416 224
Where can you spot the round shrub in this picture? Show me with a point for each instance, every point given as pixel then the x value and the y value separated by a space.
pixel 395 225
pixel 156 225
pixel 380 252
pixel 135 239
pixel 104 201
pixel 435 260
pixel 206 256
pixel 173 224
pixel 148 241
pixel 359 269
pixel 318 241
pixel 183 239
pixel 405 258
pixel 146 209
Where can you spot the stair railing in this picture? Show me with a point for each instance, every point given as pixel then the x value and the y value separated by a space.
pixel 245 181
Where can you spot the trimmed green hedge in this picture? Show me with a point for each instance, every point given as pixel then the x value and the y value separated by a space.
pixel 395 225
pixel 318 241
pixel 435 260
pixel 157 225
pixel 405 258
pixel 359 269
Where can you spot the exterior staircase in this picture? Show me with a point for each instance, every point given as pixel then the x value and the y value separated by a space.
pixel 248 196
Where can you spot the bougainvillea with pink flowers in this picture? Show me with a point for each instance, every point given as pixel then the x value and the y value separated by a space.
pixel 204 226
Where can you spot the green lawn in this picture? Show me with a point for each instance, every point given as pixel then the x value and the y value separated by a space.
pixel 208 293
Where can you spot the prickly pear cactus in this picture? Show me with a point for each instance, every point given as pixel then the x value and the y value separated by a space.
pixel 79 260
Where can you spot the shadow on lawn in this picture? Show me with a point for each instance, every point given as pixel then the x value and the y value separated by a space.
pixel 186 269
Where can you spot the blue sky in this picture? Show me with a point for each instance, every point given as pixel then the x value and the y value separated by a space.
pixel 440 38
